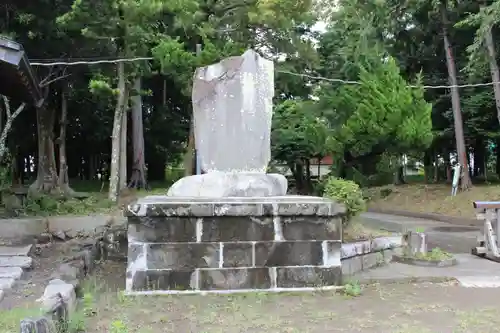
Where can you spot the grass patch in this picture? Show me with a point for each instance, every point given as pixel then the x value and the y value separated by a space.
pixel 436 254
pixel 11 319
pixel 431 198
pixel 357 231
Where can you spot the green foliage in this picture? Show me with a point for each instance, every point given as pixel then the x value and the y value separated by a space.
pixel 299 131
pixel 347 193
pixel 173 174
pixel 436 254
pixel 383 111
pixel 352 289
pixel 46 205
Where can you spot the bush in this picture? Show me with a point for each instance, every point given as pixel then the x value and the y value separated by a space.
pixel 173 174
pixel 348 193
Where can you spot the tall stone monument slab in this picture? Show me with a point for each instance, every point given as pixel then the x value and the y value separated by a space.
pixel 232 109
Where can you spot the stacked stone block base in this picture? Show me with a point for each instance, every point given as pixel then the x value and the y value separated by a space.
pixel 233 244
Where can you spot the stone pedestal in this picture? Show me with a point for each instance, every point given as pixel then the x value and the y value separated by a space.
pixel 190 245
pixel 230 184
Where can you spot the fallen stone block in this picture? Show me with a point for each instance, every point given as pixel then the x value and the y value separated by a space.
pixel 59 293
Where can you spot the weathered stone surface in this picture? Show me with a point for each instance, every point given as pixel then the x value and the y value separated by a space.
pixel 162 229
pixel 162 280
pixel 300 277
pixel 15 250
pixel 68 273
pixel 58 293
pixel 312 227
pixel 237 136
pixel 176 243
pixel 234 278
pixel 6 283
pixel 182 256
pixel 227 229
pixel 11 272
pixel 272 254
pixel 38 325
pixel 222 184
pixel 155 206
pixel 23 262
pixel 239 254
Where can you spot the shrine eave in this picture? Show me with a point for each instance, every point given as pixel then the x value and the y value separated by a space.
pixel 17 79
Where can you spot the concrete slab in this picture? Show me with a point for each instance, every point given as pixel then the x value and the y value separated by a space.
pixel 11 272
pixel 449 237
pixel 13 251
pixel 470 269
pixel 6 283
pixel 479 281
pixel 22 229
pixel 23 262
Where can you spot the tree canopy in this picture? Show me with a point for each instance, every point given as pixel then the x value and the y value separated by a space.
pixel 357 91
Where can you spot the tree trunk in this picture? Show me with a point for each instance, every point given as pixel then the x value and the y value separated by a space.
pixel 189 155
pixel 436 166
pixel 114 178
pixel 8 125
pixel 455 101
pixel 427 166
pixel 123 147
pixel 138 179
pixel 447 166
pixel 46 178
pixel 63 163
pixel 495 73
pixel 479 155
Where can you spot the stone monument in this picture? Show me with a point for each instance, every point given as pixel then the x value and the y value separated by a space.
pixel 232 108
pixel 233 228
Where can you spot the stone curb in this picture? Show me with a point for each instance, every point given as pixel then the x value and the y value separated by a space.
pixel 425 263
pixel 60 298
pixel 408 280
pixel 429 216
pixel 25 229
pixel 363 255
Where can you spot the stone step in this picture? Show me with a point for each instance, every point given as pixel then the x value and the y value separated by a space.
pixel 17 261
pixel 11 272
pixel 9 251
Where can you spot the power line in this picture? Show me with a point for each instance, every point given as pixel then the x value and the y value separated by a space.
pixel 312 77
pixel 83 62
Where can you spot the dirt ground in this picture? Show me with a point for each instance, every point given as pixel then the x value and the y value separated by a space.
pixel 397 308
pixel 434 198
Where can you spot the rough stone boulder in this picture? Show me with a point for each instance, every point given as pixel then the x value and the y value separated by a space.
pixel 222 184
